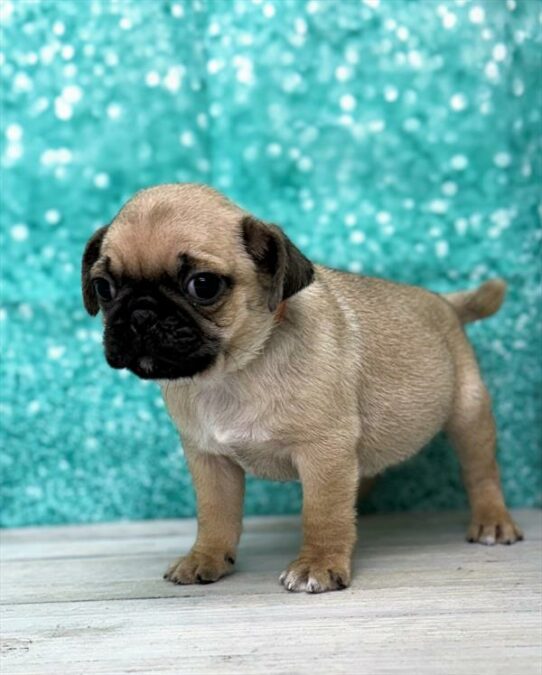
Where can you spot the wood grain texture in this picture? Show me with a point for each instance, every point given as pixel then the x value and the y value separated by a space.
pixel 90 599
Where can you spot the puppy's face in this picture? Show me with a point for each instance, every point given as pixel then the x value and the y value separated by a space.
pixel 188 283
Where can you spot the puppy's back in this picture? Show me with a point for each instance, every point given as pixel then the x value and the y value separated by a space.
pixel 388 305
pixel 401 344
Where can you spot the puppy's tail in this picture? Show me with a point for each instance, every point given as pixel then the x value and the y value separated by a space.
pixel 478 303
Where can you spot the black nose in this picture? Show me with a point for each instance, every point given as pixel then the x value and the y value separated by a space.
pixel 142 319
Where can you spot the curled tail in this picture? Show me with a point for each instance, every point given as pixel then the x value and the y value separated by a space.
pixel 478 303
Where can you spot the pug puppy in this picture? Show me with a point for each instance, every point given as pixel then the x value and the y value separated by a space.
pixel 272 365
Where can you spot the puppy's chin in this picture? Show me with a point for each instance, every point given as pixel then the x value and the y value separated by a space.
pixel 155 368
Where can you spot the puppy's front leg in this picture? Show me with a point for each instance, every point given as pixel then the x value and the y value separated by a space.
pixel 219 485
pixel 330 484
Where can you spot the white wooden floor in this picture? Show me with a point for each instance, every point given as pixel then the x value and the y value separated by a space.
pixel 91 599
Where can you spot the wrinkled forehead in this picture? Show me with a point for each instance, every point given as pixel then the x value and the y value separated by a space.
pixel 149 236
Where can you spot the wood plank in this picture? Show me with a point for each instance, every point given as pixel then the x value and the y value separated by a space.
pixel 174 535
pixel 302 634
pixel 99 568
pixel 90 600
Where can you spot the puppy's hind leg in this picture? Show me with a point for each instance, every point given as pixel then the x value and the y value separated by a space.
pixel 471 429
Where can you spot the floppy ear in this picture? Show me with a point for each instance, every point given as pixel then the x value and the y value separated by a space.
pixel 276 256
pixel 90 255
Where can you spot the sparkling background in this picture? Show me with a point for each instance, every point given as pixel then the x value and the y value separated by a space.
pixel 393 138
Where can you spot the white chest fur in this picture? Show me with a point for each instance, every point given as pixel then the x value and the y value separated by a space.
pixel 218 419
pixel 234 426
pixel 221 420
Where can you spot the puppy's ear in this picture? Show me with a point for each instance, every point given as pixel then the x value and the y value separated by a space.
pixel 90 255
pixel 275 256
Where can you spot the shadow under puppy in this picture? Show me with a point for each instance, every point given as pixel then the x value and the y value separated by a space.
pixel 272 365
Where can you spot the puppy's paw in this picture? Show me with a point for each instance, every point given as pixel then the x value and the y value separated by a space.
pixel 199 567
pixel 494 528
pixel 317 575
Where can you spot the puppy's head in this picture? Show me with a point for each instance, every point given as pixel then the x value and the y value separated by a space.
pixel 188 283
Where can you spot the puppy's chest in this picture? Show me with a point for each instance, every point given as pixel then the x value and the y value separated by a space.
pixel 242 430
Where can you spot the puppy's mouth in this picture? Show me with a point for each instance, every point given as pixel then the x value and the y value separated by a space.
pixel 159 355
pixel 156 368
pixel 152 367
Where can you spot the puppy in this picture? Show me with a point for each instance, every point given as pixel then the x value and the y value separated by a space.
pixel 272 365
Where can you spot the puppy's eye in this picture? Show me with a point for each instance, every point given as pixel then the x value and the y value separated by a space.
pixel 104 289
pixel 204 287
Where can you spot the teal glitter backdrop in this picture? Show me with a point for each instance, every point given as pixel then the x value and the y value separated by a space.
pixel 394 138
